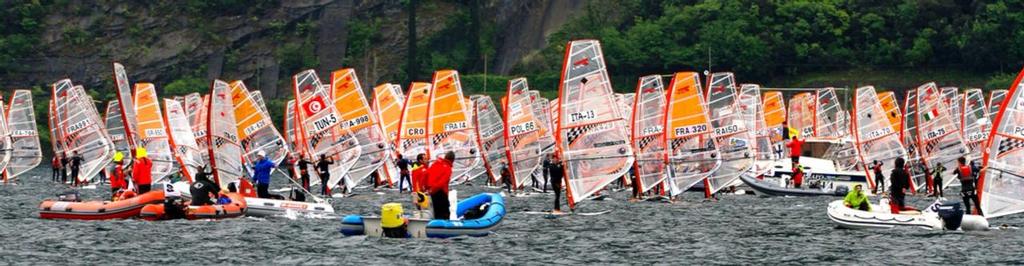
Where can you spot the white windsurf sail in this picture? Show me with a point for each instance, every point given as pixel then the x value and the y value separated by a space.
pixel 732 134
pixel 80 130
pixel 21 121
pixel 592 135
pixel 648 124
pixel 182 140
pixel 320 128
pixel 225 151
pixel 939 139
pixel 491 135
pixel 126 101
pixel 918 170
pixel 974 124
pixel 522 133
pixel 115 127
pixel 1001 184
pixel 752 112
pixel 874 137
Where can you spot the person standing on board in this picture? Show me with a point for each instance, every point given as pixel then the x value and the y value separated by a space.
pixel 64 168
pixel 556 172
pixel 55 164
pixel 798 176
pixel 76 164
pixel 261 174
pixel 439 175
pixel 117 180
pixel 879 178
pixel 403 173
pixel 900 181
pixel 937 180
pixel 323 168
pixel 304 170
pixel 795 149
pixel 966 176
pixel 142 172
pixel 547 164
pixel 506 178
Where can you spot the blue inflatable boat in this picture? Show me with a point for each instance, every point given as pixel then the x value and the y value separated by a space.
pixel 354 225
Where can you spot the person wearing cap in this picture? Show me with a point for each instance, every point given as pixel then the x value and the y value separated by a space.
pixel 117 181
pixel 261 176
pixel 142 172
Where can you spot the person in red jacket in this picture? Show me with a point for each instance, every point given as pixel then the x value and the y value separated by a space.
pixel 142 172
pixel 438 176
pixel 798 176
pixel 795 149
pixel 117 182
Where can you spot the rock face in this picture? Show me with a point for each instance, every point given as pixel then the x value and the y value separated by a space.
pixel 163 42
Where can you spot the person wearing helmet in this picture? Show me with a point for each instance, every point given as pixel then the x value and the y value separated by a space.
pixel 261 174
pixel 117 181
pixel 142 172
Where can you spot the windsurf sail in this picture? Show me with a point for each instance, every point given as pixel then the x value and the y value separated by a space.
pixel 801 114
pixel 732 134
pixel 387 105
pixel 892 110
pixel 256 132
pixel 949 97
pixel 356 116
pixel 55 133
pixel 1001 183
pixel 412 136
pixel 125 98
pixel 625 102
pixel 224 148
pixel 918 170
pixel 21 120
pixel 289 125
pixel 80 130
pixel 592 134
pixel 115 127
pixel 321 130
pixel 974 124
pixel 193 104
pixel 153 132
pixel 540 107
pixel 257 99
pixel 6 140
pixel 693 153
pixel 774 116
pixel 995 101
pixel 875 139
pixel 752 111
pixel 491 135
pixel 182 140
pixel 449 128
pixel 939 138
pixel 648 125
pixel 522 133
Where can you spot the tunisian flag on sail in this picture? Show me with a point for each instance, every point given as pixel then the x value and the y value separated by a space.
pixel 314 105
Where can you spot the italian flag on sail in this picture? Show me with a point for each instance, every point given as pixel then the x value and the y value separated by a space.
pixel 928 116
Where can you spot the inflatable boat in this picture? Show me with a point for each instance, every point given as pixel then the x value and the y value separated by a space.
pixel 236 208
pixel 353 225
pixel 821 178
pixel 938 216
pixel 259 207
pixel 99 210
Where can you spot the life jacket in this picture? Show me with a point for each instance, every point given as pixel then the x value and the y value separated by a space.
pixel 965 172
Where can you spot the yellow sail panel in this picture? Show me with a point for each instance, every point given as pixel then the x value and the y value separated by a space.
pixel 892 110
pixel 447 112
pixel 686 109
pixel 246 113
pixel 349 100
pixel 388 99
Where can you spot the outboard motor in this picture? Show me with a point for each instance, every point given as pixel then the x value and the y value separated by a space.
pixel 842 190
pixel 70 195
pixel 951 213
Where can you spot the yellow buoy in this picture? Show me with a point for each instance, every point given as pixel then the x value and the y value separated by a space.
pixel 391 215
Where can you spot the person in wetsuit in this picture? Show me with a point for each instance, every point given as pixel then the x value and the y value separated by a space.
pixel 900 181
pixel 556 173
pixel 937 180
pixel 64 168
pixel 967 190
pixel 506 178
pixel 304 170
pixel 76 164
pixel 403 172
pixel 879 177
pixel 323 168
pixel 203 189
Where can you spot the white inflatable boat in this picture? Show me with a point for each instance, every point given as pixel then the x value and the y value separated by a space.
pixel 936 217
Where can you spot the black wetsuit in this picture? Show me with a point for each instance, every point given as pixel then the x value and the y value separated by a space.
pixel 201 190
pixel 556 173
pixel 76 164
pixel 899 181
pixel 403 172
pixel 304 172
pixel 323 169
pixel 64 170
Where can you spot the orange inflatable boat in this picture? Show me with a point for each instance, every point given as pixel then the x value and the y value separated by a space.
pixel 98 210
pixel 236 208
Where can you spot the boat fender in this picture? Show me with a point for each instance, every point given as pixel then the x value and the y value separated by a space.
pixel 974 223
pixel 70 196
pixel 952 215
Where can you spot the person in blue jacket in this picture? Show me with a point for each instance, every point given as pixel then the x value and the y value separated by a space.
pixel 261 175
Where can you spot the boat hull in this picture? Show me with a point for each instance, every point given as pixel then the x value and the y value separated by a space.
pixel 99 210
pixel 353 225
pixel 271 207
